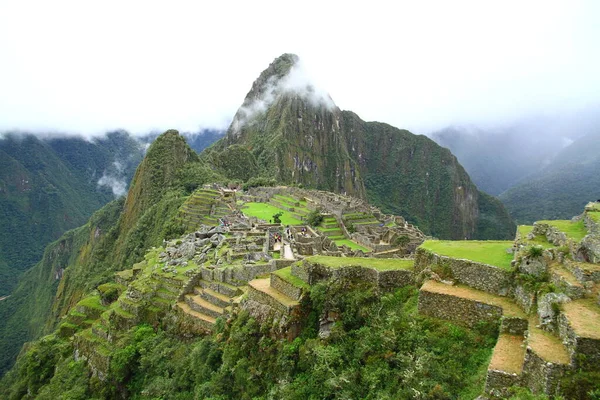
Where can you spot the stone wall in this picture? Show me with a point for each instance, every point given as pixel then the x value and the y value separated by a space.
pixel 462 311
pixel 552 234
pixel 585 352
pixel 497 383
pixel 525 298
pixel 541 376
pixel 480 276
pixel 285 287
pixel 313 273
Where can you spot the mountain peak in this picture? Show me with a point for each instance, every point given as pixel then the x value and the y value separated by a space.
pixel 285 76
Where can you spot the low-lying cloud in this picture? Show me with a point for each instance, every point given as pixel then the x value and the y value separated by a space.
pixel 298 82
pixel 114 179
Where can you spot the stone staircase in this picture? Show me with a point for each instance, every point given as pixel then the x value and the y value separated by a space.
pixel 208 301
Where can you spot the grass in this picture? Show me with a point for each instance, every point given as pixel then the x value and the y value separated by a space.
pixel 524 230
pixel 546 345
pixel 584 317
pixel 266 211
pixel 492 252
pixel 508 355
pixel 351 244
pixel 594 215
pixel 286 275
pixel 380 264
pixel 573 230
pixel 92 302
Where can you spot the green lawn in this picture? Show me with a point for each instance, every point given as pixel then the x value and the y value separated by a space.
pixel 524 230
pixel 286 275
pixel 266 211
pixel 573 230
pixel 351 244
pixel 595 216
pixel 492 252
pixel 380 264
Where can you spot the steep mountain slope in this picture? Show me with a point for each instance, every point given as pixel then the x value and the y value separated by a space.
pixel 115 237
pixel 560 190
pixel 290 130
pixel 48 186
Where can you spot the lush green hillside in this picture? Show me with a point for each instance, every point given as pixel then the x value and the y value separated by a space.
pixel 380 348
pixel 50 186
pixel 562 189
pixel 300 137
pixel 114 238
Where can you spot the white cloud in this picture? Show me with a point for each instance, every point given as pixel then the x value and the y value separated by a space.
pixel 87 68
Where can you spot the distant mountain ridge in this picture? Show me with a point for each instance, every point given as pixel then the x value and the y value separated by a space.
pixel 292 131
pixel 51 185
pixel 560 190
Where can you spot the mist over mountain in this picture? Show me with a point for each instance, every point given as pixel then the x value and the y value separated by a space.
pixel 497 158
pixel 558 191
pixel 198 141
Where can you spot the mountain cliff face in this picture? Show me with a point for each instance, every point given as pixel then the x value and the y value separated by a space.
pixel 290 130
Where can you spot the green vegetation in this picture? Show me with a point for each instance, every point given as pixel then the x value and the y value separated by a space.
pixel 266 211
pixel 379 348
pixel 380 264
pixel 115 238
pixel 352 244
pixel 314 218
pixel 487 252
pixel 50 186
pixel 574 230
pixel 286 275
pixel 595 216
pixel 524 230
pixel 277 217
pixel 535 251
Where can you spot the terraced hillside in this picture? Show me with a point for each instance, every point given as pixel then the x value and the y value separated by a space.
pixel 542 291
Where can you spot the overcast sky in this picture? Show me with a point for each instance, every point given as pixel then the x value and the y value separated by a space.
pixel 83 68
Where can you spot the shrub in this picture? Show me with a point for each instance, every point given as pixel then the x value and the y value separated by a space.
pixel 314 218
pixel 277 217
pixel 535 251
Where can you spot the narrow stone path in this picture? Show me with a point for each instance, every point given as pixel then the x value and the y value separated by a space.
pixel 288 254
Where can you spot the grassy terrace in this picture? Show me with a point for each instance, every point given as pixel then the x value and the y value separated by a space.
pixel 546 345
pixel 492 252
pixel 509 308
pixel 584 317
pixel 286 275
pixel 351 244
pixel 380 264
pixel 524 230
pixel 508 354
pixel 595 216
pixel 266 211
pixel 573 230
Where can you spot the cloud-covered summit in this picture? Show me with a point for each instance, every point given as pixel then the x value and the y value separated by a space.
pixel 286 75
